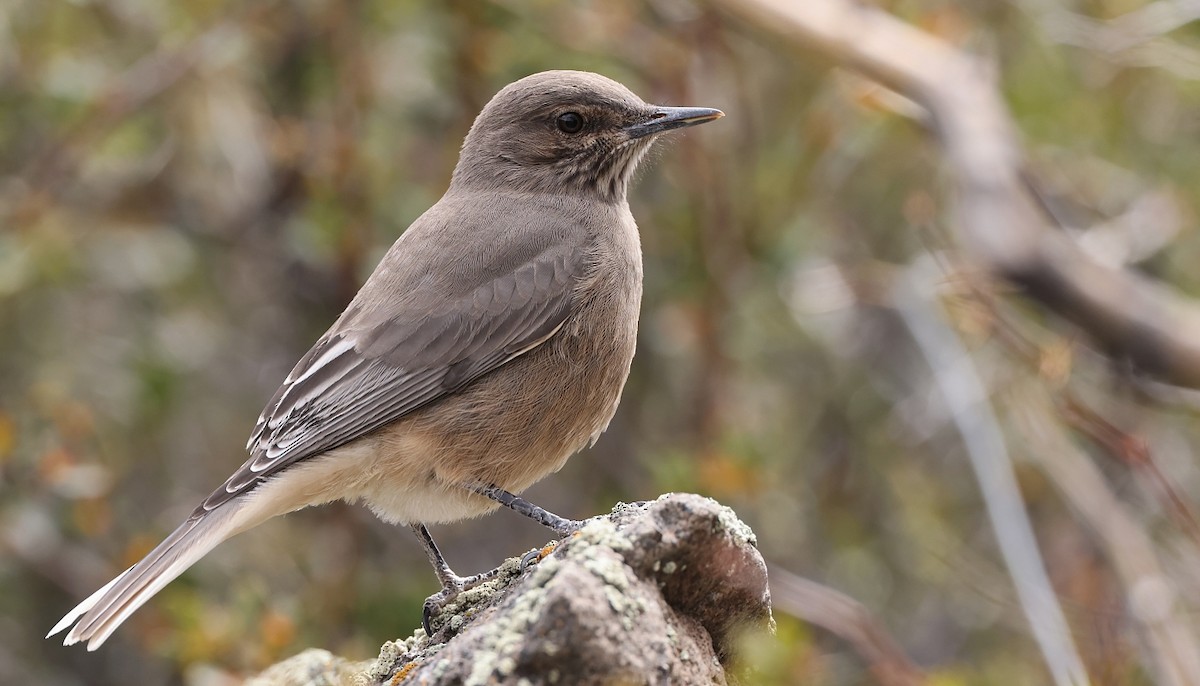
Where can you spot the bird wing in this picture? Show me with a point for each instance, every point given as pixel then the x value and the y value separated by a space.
pixel 368 371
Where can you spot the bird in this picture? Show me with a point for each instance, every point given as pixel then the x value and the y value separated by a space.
pixel 491 343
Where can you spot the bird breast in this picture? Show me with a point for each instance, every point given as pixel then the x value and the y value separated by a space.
pixel 549 403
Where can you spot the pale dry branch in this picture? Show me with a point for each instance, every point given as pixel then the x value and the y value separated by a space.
pixel 998 220
pixel 1135 39
pixel 967 402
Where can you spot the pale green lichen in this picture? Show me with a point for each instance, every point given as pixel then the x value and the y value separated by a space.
pixel 462 606
pixel 395 654
pixel 313 667
pixel 608 570
pixel 590 549
pixel 440 668
pixel 622 508
pixel 604 533
pixel 595 557
pixel 733 525
pixel 727 519
pixel 495 653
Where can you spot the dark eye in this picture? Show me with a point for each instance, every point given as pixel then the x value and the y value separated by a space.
pixel 570 122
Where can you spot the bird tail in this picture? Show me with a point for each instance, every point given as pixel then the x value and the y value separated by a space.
pixel 97 617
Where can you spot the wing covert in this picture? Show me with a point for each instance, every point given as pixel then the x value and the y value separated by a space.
pixel 368 371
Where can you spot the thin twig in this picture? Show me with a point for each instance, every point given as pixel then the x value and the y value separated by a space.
pixel 967 403
pixel 1132 451
pixel 1149 591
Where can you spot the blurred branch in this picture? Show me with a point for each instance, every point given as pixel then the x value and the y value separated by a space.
pixel 1158 18
pixel 1136 38
pixel 124 95
pixel 1143 228
pixel 846 618
pixel 966 401
pixel 1130 551
pixel 998 220
pixel 1048 360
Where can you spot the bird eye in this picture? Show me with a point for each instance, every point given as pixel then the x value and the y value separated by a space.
pixel 570 122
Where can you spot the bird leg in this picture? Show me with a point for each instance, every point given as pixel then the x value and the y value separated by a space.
pixel 562 526
pixel 452 584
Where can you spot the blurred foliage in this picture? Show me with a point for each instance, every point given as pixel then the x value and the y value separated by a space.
pixel 190 193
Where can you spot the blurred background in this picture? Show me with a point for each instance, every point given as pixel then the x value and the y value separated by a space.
pixel 191 192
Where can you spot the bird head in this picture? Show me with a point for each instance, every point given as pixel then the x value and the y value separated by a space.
pixel 566 132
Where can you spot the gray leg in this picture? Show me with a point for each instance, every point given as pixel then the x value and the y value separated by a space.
pixel 452 584
pixel 561 526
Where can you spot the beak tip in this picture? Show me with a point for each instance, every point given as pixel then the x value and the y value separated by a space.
pixel 668 118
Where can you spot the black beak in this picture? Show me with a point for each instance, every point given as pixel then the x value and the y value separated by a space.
pixel 667 118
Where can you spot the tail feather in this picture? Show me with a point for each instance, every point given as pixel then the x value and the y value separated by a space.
pixel 86 605
pixel 97 617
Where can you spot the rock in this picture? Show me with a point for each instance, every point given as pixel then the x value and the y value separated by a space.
pixel 653 593
pixel 313 667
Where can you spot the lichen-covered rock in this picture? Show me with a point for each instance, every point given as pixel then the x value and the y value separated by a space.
pixel 313 667
pixel 654 593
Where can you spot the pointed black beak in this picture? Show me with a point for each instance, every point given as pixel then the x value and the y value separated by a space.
pixel 667 118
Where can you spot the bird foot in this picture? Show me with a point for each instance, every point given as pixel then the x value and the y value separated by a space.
pixel 452 586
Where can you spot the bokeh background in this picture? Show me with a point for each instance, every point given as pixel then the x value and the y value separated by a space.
pixel 191 192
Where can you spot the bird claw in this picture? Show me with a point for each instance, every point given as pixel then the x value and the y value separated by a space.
pixel 427 616
pixel 452 586
pixel 537 555
pixel 532 557
pixel 438 601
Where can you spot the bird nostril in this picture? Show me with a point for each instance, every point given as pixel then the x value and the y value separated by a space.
pixel 658 115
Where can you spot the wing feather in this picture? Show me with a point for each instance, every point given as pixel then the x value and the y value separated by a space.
pixel 370 370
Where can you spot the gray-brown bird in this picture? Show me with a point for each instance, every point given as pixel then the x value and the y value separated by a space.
pixel 490 344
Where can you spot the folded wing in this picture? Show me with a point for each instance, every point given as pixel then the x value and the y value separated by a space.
pixel 373 370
